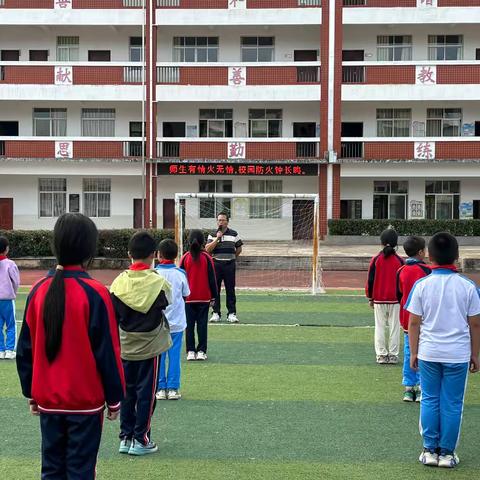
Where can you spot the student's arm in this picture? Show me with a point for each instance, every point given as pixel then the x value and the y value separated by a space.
pixel 474 323
pixel 413 337
pixel 212 279
pixel 399 286
pixel 14 275
pixel 370 280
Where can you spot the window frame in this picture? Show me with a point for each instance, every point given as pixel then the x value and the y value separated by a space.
pixel 257 48
pixel 434 46
pixel 266 120
pixel 54 121
pixel 392 48
pixel 389 194
pixel 97 192
pixel 225 121
pixel 98 121
pixel 51 195
pixel 395 121
pixel 179 51
pixel 72 49
pixel 265 208
pixel 444 121
pixel 219 204
pixel 355 205
pixel 446 186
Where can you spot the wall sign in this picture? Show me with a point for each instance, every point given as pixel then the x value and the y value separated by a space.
pixel 285 170
pixel 426 75
pixel 63 4
pixel 416 209
pixel 237 76
pixel 63 76
pixel 426 3
pixel 237 4
pixel 466 210
pixel 236 150
pixel 424 151
pixel 63 149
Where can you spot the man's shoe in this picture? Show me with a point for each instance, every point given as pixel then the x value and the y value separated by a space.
pixel 382 359
pixel 428 458
pixel 409 396
pixel 215 318
pixel 161 394
pixel 418 395
pixel 10 355
pixel 125 445
pixel 392 359
pixel 191 356
pixel 448 461
pixel 2 355
pixel 232 318
pixel 174 394
pixel 138 449
pixel 202 356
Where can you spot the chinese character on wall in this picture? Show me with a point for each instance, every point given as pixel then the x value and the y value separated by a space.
pixel 236 150
pixel 426 3
pixel 63 76
pixel 237 76
pixel 63 149
pixel 64 4
pixel 237 4
pixel 424 150
pixel 426 75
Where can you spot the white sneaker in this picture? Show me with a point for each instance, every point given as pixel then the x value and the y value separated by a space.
pixel 10 355
pixel 232 318
pixel 428 458
pixel 161 394
pixel 215 318
pixel 448 461
pixel 201 355
pixel 191 356
pixel 2 355
pixel 174 394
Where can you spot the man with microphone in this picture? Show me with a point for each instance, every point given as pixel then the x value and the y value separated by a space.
pixel 225 246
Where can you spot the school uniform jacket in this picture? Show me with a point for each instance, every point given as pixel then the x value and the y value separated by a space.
pixel 407 275
pixel 201 277
pixel 87 372
pixel 381 280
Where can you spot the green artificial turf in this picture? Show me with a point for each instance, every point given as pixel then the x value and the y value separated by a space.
pixel 271 402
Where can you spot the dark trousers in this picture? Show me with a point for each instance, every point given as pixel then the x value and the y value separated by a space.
pixel 70 446
pixel 141 379
pixel 225 271
pixel 197 314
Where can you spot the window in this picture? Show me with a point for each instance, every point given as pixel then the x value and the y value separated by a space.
pixel 265 123
pixel 98 122
pixel 38 55
pixel 49 122
pixel 68 49
pixel 99 55
pixel 444 122
pixel 257 49
pixel 394 48
pixel 390 199
pixel 445 47
pixel 351 209
pixel 53 196
pixel 216 123
pixel 393 122
pixel 442 199
pixel 195 49
pixel 211 207
pixel 265 207
pixel 135 50
pixel 96 197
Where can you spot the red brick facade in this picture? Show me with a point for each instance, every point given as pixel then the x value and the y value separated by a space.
pixel 29 75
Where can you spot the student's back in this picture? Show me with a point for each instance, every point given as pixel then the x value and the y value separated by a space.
pixel 201 277
pixel 382 274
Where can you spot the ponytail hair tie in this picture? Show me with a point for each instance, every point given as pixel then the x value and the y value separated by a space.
pixel 60 267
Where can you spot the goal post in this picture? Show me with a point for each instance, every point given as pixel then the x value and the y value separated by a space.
pixel 285 225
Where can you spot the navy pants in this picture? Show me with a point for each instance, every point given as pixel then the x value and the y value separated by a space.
pixel 197 315
pixel 70 446
pixel 225 272
pixel 137 408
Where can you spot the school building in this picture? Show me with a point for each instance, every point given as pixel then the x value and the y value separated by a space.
pixel 110 107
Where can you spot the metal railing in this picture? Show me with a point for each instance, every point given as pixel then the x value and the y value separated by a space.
pixel 2 146
pixel 307 149
pixel 133 74
pixel 309 3
pixel 168 3
pixel 133 3
pixel 168 149
pixel 133 149
pixel 168 74
pixel 352 150
pixel 354 3
pixel 308 74
pixel 353 74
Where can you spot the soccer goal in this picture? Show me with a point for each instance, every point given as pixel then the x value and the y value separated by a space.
pixel 279 232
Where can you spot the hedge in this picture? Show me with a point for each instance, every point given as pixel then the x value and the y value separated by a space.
pixel 460 228
pixel 37 243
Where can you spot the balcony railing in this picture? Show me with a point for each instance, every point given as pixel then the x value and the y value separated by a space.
pixel 408 3
pixel 168 149
pixel 168 74
pixel 134 149
pixel 224 4
pixel 307 149
pixel 352 150
pixel 133 74
pixel 353 74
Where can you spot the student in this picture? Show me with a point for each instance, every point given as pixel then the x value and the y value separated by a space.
pixel 9 282
pixel 140 297
pixel 381 293
pixel 169 380
pixel 413 270
pixel 203 289
pixel 68 355
pixel 444 336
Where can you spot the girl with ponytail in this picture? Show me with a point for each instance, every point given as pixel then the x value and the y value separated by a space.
pixel 200 271
pixel 381 291
pixel 68 356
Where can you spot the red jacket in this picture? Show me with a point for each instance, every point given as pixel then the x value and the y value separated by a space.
pixel 381 280
pixel 201 277
pixel 87 372
pixel 407 275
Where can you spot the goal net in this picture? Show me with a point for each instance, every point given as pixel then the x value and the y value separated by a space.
pixel 279 234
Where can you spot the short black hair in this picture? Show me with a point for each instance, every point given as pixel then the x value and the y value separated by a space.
pixel 225 214
pixel 443 248
pixel 412 245
pixel 142 245
pixel 168 249
pixel 3 244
